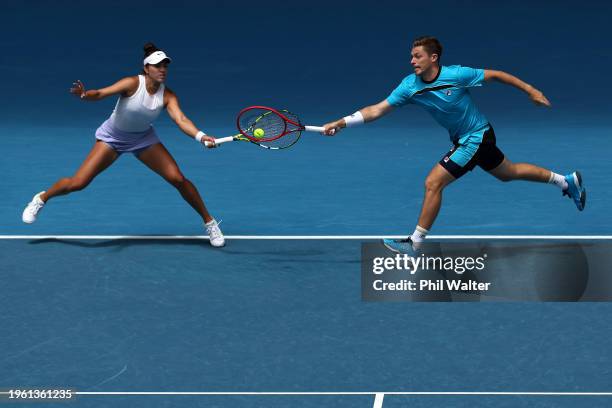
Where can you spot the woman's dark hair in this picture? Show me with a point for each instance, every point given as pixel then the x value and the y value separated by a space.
pixel 149 48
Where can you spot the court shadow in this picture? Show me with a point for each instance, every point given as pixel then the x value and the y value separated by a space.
pixel 120 244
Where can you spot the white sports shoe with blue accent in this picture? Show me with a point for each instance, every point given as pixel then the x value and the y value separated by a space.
pixel 402 246
pixel 32 209
pixel 575 190
pixel 217 239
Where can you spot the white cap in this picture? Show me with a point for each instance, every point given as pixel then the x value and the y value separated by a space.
pixel 156 58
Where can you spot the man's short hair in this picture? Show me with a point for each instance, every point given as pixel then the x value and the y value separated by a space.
pixel 430 44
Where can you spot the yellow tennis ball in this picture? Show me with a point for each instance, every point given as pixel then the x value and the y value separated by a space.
pixel 259 133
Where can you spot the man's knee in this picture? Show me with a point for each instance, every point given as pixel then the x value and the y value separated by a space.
pixel 507 174
pixel 433 184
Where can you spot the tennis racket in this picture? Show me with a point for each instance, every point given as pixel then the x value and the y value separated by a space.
pixel 269 128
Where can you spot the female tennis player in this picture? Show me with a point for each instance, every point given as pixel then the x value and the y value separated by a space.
pixel 128 129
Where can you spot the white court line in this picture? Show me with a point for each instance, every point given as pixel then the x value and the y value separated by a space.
pixel 376 393
pixel 378 400
pixel 378 396
pixel 315 237
pixel 337 393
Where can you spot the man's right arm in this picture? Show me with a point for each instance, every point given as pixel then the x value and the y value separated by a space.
pixel 373 112
pixel 367 114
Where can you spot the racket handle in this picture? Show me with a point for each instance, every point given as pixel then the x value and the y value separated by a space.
pixel 319 129
pixel 221 140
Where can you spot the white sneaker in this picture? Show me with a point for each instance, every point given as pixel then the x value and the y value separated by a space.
pixel 215 234
pixel 32 209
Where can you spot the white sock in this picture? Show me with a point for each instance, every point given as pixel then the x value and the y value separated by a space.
pixel 418 236
pixel 558 180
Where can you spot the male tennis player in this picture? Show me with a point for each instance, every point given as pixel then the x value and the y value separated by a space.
pixel 128 129
pixel 444 92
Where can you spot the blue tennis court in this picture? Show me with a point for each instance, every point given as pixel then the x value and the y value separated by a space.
pixel 175 315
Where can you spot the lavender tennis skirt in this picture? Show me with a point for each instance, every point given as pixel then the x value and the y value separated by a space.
pixel 123 142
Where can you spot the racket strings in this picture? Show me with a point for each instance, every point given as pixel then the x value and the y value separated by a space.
pixel 262 121
pixel 269 129
pixel 289 139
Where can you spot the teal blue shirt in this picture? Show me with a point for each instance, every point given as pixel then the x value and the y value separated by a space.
pixel 447 98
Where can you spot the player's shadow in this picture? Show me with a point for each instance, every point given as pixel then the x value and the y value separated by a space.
pixel 121 244
pixel 240 248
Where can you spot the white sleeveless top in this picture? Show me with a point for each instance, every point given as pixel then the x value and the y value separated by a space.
pixel 137 112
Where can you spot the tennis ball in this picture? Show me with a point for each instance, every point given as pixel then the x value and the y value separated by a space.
pixel 259 133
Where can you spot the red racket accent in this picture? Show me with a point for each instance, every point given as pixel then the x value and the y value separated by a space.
pixel 274 123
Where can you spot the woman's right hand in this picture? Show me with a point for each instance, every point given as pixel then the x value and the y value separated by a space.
pixel 78 89
pixel 211 140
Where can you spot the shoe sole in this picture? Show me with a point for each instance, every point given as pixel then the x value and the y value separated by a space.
pixel 390 248
pixel 578 176
pixel 397 251
pixel 578 184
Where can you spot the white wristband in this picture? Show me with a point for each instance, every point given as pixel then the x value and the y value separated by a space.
pixel 199 136
pixel 354 119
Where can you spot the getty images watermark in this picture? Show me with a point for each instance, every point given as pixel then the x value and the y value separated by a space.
pixel 489 271
pixel 403 262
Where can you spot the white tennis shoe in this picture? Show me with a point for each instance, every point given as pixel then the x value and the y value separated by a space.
pixel 32 209
pixel 214 232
